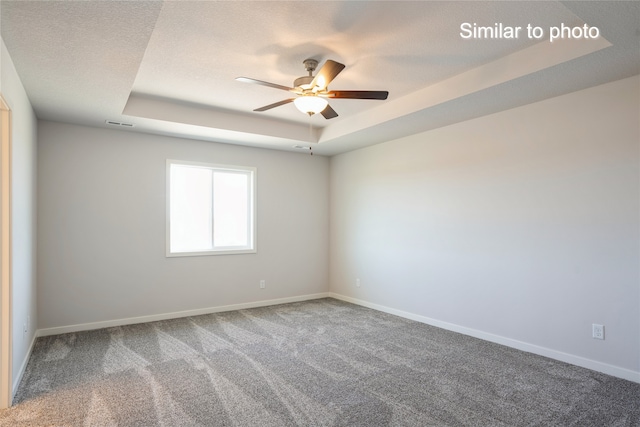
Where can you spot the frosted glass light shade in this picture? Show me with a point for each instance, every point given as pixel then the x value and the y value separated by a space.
pixel 310 104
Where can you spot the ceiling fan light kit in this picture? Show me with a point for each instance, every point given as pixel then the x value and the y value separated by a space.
pixel 310 104
pixel 312 91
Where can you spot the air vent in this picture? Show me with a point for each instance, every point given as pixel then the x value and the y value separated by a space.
pixel 121 124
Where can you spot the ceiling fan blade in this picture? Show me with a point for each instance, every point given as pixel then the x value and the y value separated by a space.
pixel 260 82
pixel 274 105
pixel 328 72
pixel 358 94
pixel 329 113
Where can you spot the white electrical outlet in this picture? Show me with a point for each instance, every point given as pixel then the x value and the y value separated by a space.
pixel 358 282
pixel 598 331
pixel 263 284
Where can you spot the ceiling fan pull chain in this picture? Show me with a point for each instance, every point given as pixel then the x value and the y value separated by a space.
pixel 310 135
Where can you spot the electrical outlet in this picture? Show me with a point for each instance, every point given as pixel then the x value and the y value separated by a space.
pixel 263 284
pixel 598 331
pixel 358 282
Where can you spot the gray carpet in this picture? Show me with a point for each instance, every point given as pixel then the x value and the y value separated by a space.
pixel 315 363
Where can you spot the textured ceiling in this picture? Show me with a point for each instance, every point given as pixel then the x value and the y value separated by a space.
pixel 170 67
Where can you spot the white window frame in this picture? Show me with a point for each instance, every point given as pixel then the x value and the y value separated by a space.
pixel 220 250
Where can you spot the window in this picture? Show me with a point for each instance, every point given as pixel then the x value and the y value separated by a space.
pixel 210 209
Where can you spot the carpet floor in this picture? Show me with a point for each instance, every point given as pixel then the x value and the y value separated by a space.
pixel 315 363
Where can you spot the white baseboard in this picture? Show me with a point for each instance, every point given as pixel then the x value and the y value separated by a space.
pixel 23 367
pixel 605 368
pixel 155 317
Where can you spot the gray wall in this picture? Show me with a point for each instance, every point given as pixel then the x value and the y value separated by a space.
pixel 521 227
pixel 101 236
pixel 23 211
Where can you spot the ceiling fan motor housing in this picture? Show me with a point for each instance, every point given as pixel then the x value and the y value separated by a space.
pixel 303 82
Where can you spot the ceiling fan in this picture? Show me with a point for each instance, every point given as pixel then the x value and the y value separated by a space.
pixel 312 91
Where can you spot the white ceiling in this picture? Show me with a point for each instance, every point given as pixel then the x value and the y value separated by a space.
pixel 170 67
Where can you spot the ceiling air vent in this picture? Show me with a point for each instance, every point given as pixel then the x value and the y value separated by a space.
pixel 121 124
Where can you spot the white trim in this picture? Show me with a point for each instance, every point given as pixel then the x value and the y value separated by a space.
pixel 605 368
pixel 211 252
pixel 178 314
pixel 6 256
pixel 23 366
pixel 594 365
